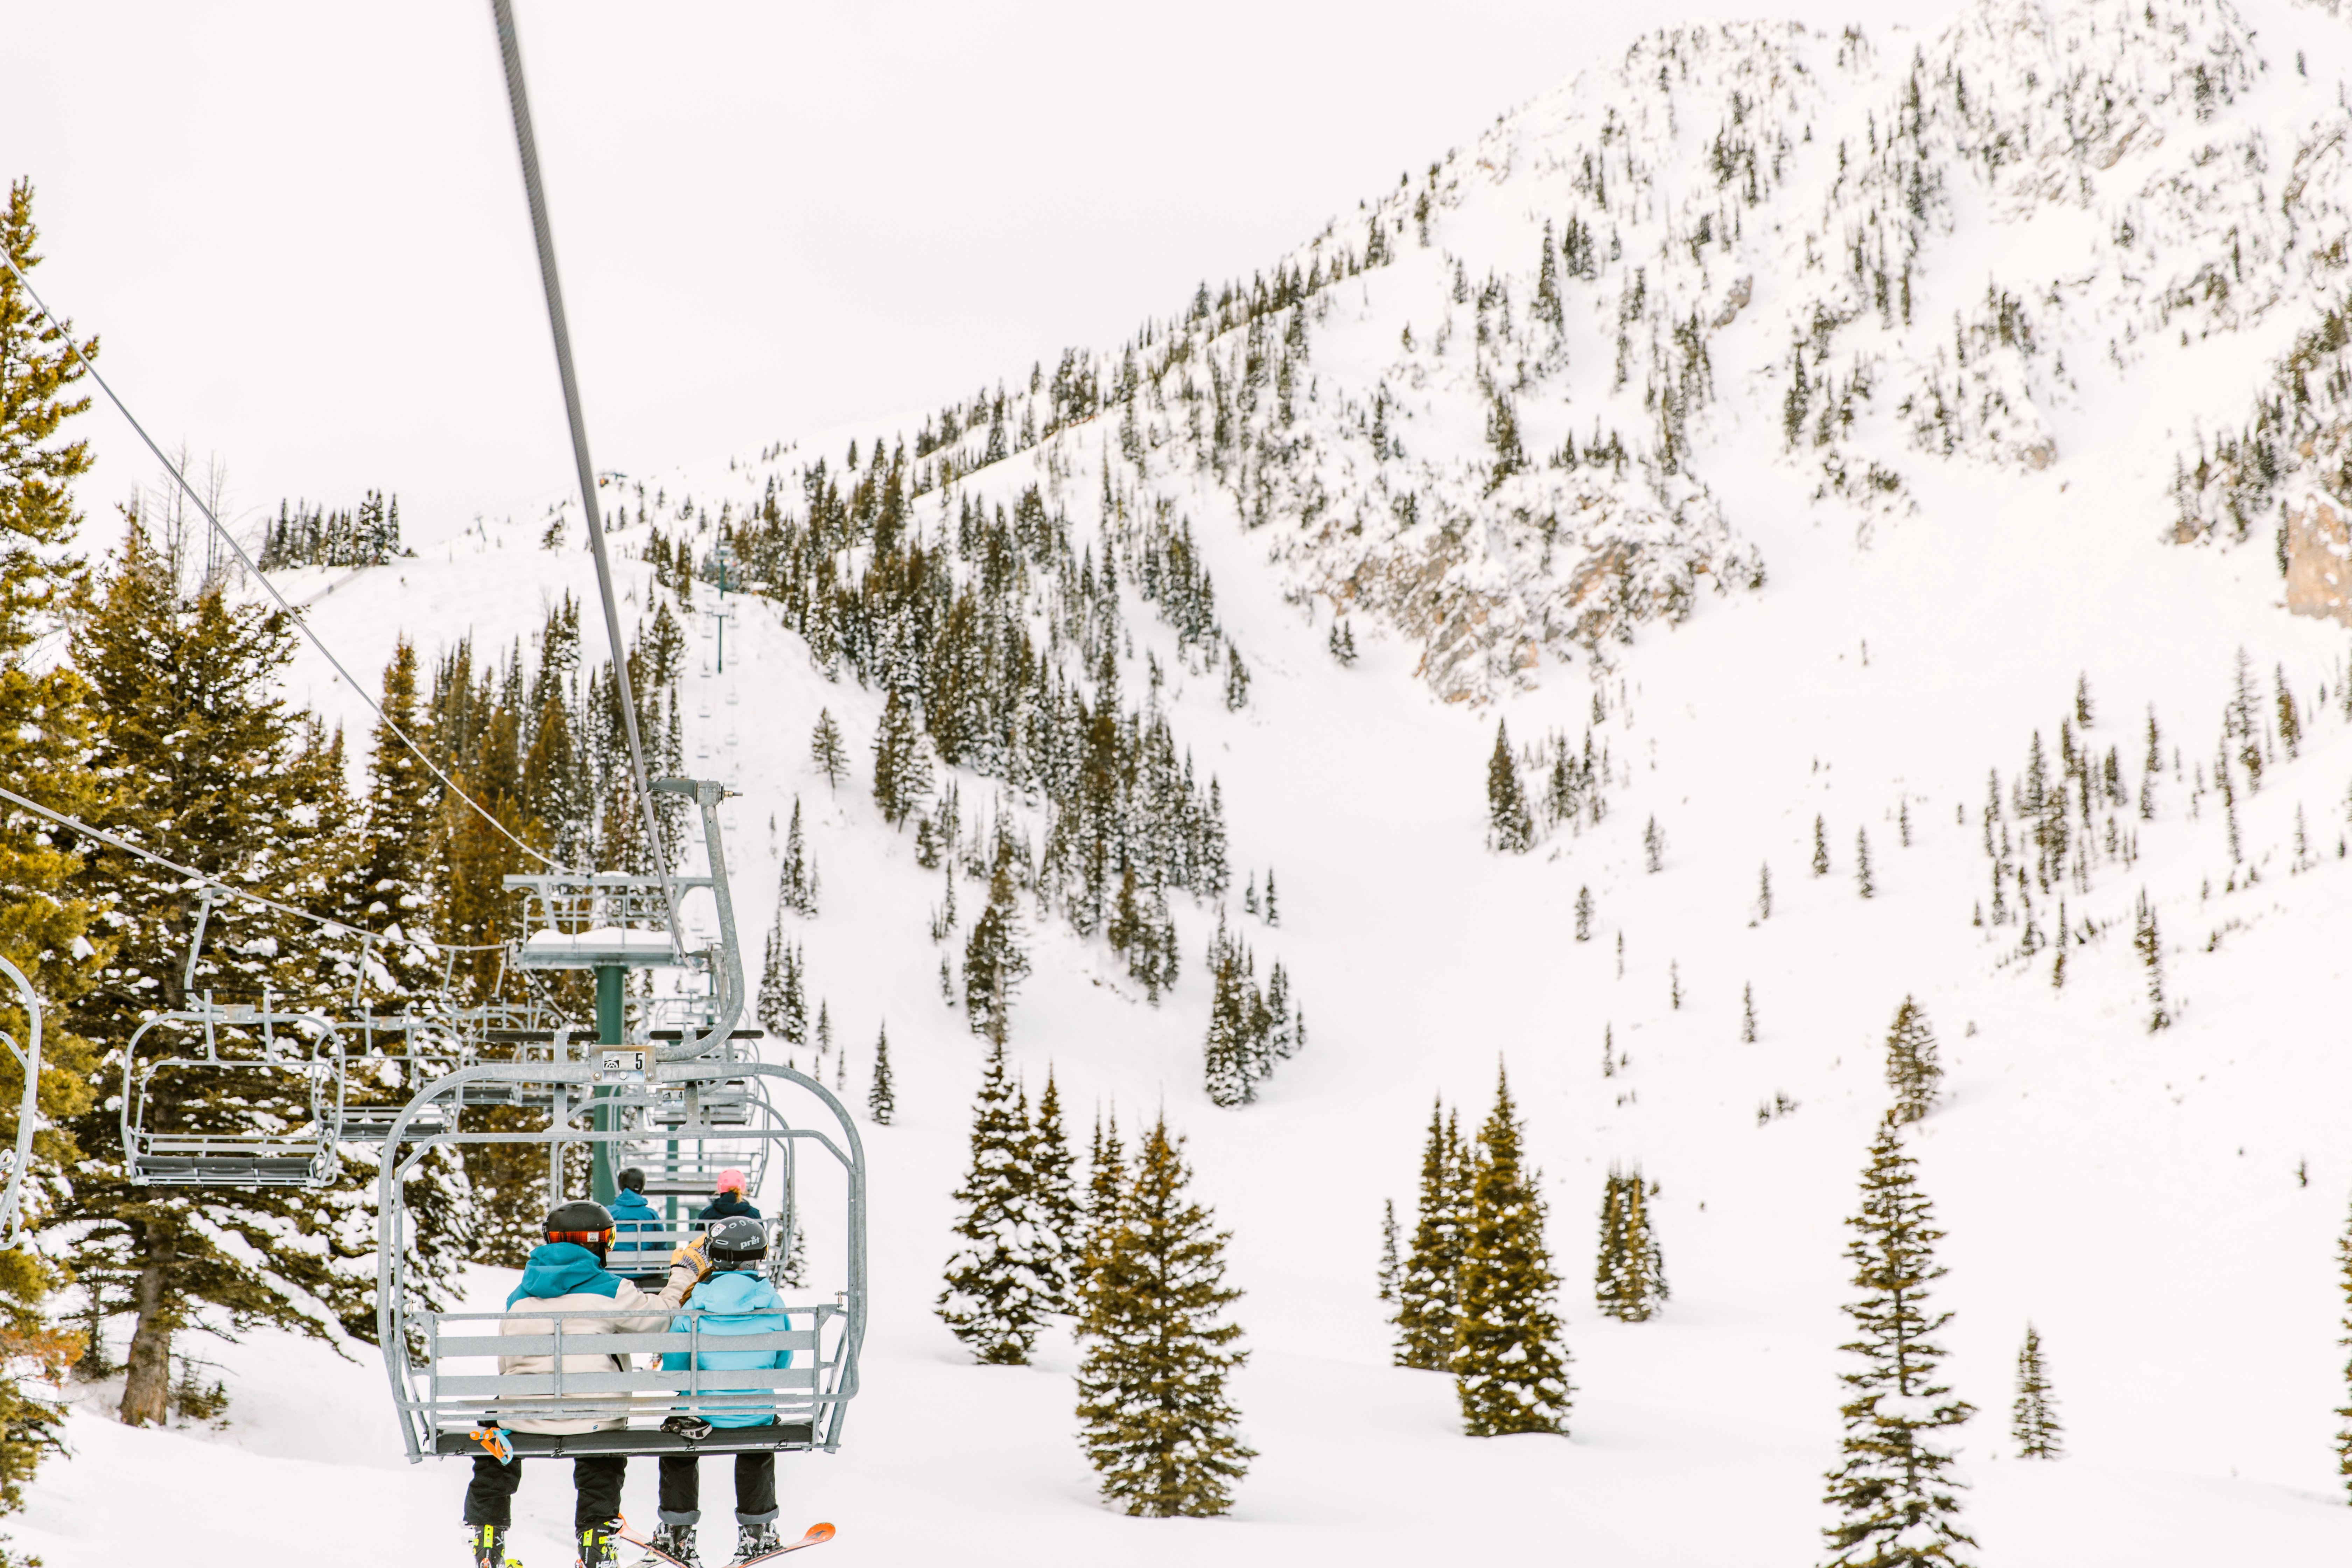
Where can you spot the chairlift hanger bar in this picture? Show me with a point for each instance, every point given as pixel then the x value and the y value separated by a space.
pixel 526 148
pixel 247 562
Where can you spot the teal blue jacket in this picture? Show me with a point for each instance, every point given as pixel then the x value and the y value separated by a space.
pixel 719 1297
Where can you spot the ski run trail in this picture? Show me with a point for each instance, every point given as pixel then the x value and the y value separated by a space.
pixel 1858 623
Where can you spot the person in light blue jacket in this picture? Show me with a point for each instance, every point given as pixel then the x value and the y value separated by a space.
pixel 734 1299
pixel 632 1216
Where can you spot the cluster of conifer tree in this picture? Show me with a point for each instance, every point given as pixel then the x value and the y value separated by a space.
pixel 306 535
pixel 998 646
pixel 1137 1266
pixel 1474 1294
pixel 1571 795
pixel 1249 1029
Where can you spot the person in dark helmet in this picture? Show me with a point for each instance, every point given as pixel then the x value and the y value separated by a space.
pixel 728 1202
pixel 642 1261
pixel 734 1299
pixel 566 1273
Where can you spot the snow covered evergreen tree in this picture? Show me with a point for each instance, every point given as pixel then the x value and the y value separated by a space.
pixel 2031 1421
pixel 1157 1420
pixel 1861 863
pixel 826 750
pixel 1895 1495
pixel 2344 1411
pixel 796 877
pixel 993 962
pixel 1060 1216
pixel 1912 1069
pixel 1429 1291
pixel 2149 945
pixel 994 1300
pixel 881 1099
pixel 902 775
pixel 1510 827
pixel 1820 849
pixel 1630 1281
pixel 1510 1370
pixel 1391 1274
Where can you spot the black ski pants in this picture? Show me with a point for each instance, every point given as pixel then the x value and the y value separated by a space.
pixel 595 1477
pixel 755 1489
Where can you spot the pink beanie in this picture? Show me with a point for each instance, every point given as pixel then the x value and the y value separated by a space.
pixel 730 1180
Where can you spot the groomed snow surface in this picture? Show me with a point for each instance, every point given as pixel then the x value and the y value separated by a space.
pixel 2164 1207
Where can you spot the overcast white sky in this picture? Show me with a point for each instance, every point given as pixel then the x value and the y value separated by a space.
pixel 300 232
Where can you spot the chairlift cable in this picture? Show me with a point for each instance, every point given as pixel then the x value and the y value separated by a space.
pixel 247 562
pixel 208 880
pixel 526 148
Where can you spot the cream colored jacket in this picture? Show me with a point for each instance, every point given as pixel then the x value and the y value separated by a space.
pixel 628 1311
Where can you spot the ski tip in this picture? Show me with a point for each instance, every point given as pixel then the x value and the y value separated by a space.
pixel 817 1533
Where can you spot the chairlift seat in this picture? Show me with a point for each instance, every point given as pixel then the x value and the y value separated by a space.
pixel 786 1437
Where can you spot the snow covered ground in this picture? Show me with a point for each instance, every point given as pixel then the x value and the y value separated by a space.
pixel 2164 1207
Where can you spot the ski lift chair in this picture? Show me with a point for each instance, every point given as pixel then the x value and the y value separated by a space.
pixel 444 1366
pixel 167 1141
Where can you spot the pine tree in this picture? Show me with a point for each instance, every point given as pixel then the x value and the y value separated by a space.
pixel 902 775
pixel 2149 945
pixel 993 962
pixel 1861 862
pixel 2290 718
pixel 1584 914
pixel 1238 680
pixel 211 771
pixel 1912 1069
pixel 992 1301
pixel 1820 849
pixel 1510 1370
pixel 1654 847
pixel 394 893
pixel 49 914
pixel 1060 1216
pixel 881 1101
pixel 2032 1422
pixel 1157 1422
pixel 2344 1411
pixel 1230 1056
pixel 796 879
pixel 1896 1502
pixel 826 750
pixel 1429 1290
pixel 1629 1282
pixel 1764 892
pixel 1748 1014
pixel 1509 826
pixel 1392 1275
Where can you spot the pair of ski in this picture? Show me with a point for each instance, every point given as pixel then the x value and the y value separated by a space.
pixel 818 1534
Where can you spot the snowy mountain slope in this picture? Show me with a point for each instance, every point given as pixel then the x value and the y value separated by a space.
pixel 2162 1205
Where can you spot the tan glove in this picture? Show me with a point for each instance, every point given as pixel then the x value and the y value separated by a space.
pixel 693 1256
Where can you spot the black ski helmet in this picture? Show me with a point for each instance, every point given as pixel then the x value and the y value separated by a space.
pixel 582 1224
pixel 632 1179
pixel 738 1243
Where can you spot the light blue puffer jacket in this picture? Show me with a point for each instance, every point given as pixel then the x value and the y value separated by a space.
pixel 719 1296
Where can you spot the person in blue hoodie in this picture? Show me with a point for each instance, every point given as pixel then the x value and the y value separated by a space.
pixel 733 1299
pixel 642 1261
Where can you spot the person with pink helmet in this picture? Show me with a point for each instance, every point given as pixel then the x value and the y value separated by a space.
pixel 728 1202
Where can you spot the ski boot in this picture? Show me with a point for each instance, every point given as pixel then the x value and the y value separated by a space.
pixel 600 1546
pixel 753 1541
pixel 672 1544
pixel 488 1542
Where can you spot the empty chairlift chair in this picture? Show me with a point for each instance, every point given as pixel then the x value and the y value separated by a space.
pixel 232 1096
